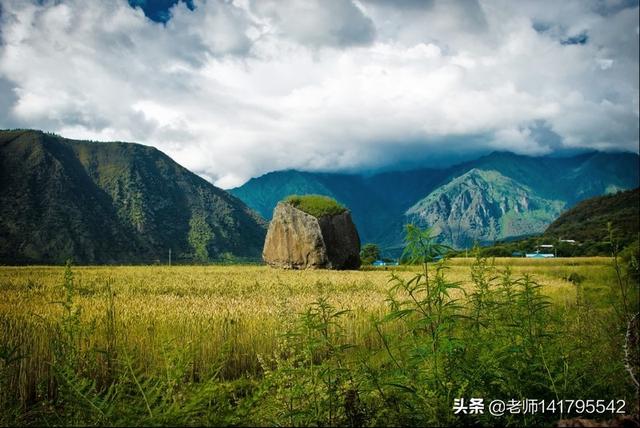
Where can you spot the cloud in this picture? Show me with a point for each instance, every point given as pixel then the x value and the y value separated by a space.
pixel 7 100
pixel 233 89
pixel 316 22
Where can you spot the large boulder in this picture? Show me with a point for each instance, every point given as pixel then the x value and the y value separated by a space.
pixel 298 240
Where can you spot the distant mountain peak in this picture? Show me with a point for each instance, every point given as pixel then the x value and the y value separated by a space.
pixel 482 206
pixel 521 194
pixel 108 202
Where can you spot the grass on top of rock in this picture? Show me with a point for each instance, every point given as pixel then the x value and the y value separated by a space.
pixel 316 205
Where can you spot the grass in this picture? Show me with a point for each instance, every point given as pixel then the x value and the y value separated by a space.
pixel 237 305
pixel 316 205
pixel 253 345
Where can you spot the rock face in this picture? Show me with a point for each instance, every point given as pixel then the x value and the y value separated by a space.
pixel 483 206
pixel 297 240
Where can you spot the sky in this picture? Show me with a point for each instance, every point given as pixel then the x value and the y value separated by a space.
pixel 235 89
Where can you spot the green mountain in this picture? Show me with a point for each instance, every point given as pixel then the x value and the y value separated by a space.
pixel 264 193
pixel 381 203
pixel 370 212
pixel 112 203
pixel 483 206
pixel 583 229
pixel 571 179
pixel 588 220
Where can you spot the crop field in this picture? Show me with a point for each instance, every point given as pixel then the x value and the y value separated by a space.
pixel 250 345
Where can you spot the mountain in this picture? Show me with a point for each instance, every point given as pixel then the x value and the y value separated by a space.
pixel 354 191
pixel 112 203
pixel 264 193
pixel 382 203
pixel 588 220
pixel 583 229
pixel 571 179
pixel 483 206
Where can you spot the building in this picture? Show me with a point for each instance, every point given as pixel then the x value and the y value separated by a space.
pixel 543 251
pixel 538 255
pixel 383 263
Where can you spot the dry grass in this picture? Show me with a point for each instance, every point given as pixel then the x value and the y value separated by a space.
pixel 223 313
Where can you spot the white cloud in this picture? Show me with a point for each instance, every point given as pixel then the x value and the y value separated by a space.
pixel 315 22
pixel 236 89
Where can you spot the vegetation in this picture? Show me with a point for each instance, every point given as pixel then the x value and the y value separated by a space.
pixel 379 201
pixel 128 203
pixel 595 225
pixel 518 248
pixel 111 203
pixel 239 345
pixel 316 205
pixel 483 206
pixel 630 258
pixel 248 345
pixel 200 236
pixel 588 221
pixel 369 253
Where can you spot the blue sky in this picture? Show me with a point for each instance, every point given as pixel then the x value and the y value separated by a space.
pixel 158 10
pixel 232 89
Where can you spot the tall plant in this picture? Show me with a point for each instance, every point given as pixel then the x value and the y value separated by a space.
pixel 426 304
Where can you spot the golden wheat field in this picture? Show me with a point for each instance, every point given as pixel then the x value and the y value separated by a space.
pixel 227 315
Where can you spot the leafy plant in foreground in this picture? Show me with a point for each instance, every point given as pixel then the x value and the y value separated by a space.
pixel 311 382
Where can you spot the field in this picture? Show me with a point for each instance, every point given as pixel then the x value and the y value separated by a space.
pixel 250 345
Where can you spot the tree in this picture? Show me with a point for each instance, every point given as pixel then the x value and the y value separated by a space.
pixel 200 234
pixel 369 253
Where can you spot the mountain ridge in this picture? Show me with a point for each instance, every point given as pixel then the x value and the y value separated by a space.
pixel 482 206
pixel 111 203
pixel 388 195
pixel 588 220
pixel 124 202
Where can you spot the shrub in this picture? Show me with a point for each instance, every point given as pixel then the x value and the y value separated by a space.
pixel 369 253
pixel 630 257
pixel 316 205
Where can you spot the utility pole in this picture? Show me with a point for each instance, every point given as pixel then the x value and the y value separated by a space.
pixel 169 256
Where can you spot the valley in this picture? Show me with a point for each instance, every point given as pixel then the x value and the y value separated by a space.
pixel 201 332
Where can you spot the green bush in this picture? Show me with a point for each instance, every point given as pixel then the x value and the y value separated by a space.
pixel 369 253
pixel 316 205
pixel 631 259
